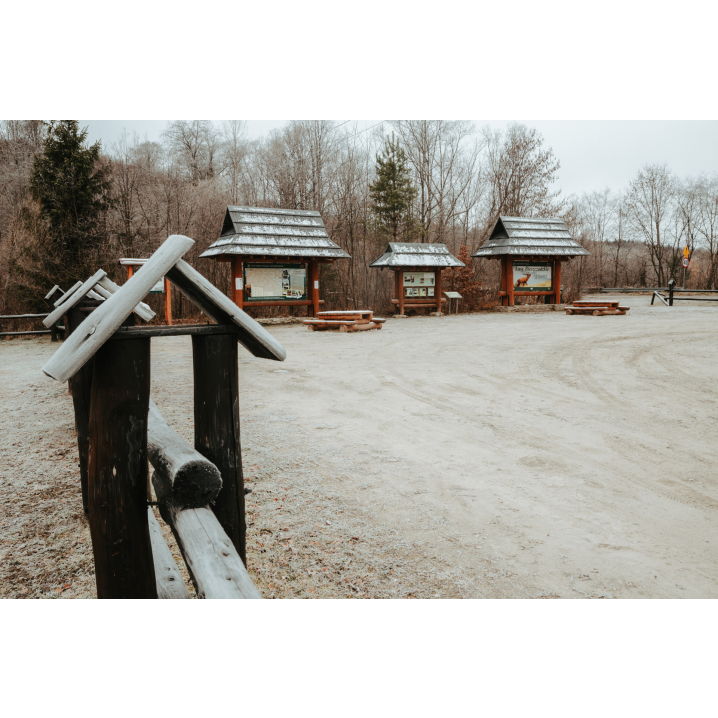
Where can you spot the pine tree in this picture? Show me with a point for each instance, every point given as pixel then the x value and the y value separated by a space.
pixel 393 192
pixel 72 188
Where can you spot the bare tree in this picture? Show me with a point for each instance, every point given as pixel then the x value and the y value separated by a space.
pixel 520 174
pixel 649 204
pixel 446 161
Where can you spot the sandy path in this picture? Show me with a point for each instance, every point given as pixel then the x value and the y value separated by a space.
pixel 489 455
pixel 534 454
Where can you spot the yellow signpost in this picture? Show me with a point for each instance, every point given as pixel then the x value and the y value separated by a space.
pixel 686 252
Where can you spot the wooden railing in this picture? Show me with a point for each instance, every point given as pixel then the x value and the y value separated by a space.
pixel 53 330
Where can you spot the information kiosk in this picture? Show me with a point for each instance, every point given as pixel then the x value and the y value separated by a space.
pixel 417 274
pixel 531 251
pixel 275 256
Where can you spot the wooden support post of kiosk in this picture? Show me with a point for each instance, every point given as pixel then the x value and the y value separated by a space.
pixel 216 427
pixel 438 290
pixel 168 302
pixel 238 282
pixel 117 480
pixel 400 284
pixel 313 288
pixel 557 282
pixel 510 279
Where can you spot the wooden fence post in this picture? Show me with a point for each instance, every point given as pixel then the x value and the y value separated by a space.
pixel 216 427
pixel 118 470
pixel 81 389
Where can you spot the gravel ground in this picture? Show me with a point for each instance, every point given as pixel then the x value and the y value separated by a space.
pixel 493 455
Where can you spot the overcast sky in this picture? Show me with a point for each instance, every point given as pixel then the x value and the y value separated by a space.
pixel 593 154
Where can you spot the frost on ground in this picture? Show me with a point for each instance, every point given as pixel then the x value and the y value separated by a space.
pixel 493 455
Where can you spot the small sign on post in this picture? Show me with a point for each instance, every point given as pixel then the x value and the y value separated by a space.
pixel 456 296
pixel 686 262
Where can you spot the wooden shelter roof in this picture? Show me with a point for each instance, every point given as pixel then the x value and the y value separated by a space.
pixel 414 254
pixel 530 236
pixel 257 231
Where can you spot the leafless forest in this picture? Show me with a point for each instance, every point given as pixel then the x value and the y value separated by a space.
pixel 465 176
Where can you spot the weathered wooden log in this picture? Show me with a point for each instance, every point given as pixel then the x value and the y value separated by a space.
pixel 224 311
pixel 65 296
pixel 56 288
pixel 99 326
pixel 181 473
pixel 168 577
pixel 107 287
pixel 74 299
pixel 117 477
pixel 216 427
pixel 216 569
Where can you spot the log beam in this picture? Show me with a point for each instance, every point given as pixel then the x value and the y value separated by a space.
pixel 181 473
pixel 216 569
pixel 168 577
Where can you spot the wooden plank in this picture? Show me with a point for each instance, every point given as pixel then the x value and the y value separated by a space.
pixel 117 485
pixel 223 310
pixel 101 324
pixel 17 334
pixel 167 575
pixel 363 313
pixel 178 330
pixel 168 303
pixel 107 287
pixel 330 322
pixel 77 295
pixel 56 288
pixel 216 569
pixel 23 316
pixel 67 294
pixel 216 427
pixel 181 474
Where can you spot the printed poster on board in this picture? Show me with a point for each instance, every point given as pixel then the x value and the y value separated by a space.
pixel 419 279
pixel 532 276
pixel 275 282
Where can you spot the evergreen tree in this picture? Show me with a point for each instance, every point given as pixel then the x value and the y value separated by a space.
pixel 72 189
pixel 393 192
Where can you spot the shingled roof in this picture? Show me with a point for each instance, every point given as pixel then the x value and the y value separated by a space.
pixel 256 231
pixel 530 236
pixel 413 254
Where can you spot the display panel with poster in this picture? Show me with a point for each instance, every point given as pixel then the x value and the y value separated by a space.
pixel 419 284
pixel 532 276
pixel 275 282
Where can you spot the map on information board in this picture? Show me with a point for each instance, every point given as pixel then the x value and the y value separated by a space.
pixel 275 282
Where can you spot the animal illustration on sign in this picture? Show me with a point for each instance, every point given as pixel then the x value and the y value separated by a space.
pixel 522 281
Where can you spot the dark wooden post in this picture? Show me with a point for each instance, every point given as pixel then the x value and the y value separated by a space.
pixel 118 470
pixel 510 280
pixel 168 303
pixel 314 286
pixel 438 291
pixel 216 427
pixel 400 273
pixel 81 388
pixel 558 281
